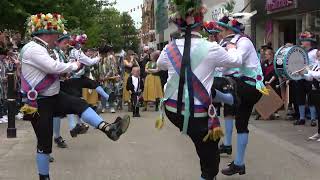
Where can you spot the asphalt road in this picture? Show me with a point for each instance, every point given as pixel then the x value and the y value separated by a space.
pixel 145 153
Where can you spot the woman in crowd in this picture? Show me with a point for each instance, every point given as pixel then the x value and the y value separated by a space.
pixel 128 62
pixel 153 89
pixel 269 72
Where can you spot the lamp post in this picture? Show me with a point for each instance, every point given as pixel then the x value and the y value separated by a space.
pixel 11 130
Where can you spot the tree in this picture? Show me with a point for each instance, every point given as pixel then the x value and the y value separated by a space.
pixel 97 18
pixel 130 33
pixel 229 6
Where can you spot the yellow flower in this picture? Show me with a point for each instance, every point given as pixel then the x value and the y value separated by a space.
pixel 49 16
pixel 38 25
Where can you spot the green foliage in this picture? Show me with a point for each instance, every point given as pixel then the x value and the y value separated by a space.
pixel 96 18
pixel 129 42
pixel 229 6
pixel 182 6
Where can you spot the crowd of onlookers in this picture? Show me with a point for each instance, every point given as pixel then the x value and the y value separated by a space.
pixel 10 43
pixel 113 73
pixel 267 54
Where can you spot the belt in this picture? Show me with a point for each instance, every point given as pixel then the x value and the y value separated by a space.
pixel 199 110
pixel 246 78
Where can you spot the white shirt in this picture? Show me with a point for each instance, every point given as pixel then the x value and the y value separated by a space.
pixel 135 82
pixel 57 55
pixel 246 51
pixel 217 57
pixel 312 75
pixel 77 54
pixel 37 63
pixel 313 56
pixel 314 72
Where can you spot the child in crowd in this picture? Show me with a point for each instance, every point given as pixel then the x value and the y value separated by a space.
pixel 135 87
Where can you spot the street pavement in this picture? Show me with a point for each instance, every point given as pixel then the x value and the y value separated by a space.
pixel 276 151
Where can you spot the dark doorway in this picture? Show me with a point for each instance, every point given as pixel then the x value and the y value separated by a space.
pixel 287 29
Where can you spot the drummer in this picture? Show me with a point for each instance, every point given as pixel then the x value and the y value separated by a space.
pixel 302 87
pixel 314 96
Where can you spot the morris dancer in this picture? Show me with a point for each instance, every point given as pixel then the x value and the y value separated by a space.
pixel 40 87
pixel 249 81
pixel 302 87
pixel 78 80
pixel 109 75
pixel 61 46
pixel 190 62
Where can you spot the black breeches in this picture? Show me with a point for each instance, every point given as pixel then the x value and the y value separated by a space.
pixel 314 98
pixel 302 89
pixel 55 106
pixel 207 151
pixel 249 96
pixel 223 84
pixel 74 86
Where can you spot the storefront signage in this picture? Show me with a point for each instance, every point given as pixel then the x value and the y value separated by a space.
pixel 279 5
pixel 218 13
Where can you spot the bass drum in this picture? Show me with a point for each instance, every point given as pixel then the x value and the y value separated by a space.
pixel 289 60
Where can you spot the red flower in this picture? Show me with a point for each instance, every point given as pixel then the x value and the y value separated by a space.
pixel 259 78
pixel 234 22
pixel 39 16
pixel 55 27
pixel 198 19
pixel 49 24
pixel 55 15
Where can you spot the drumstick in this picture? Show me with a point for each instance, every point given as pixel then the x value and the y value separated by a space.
pixel 295 72
pixel 277 86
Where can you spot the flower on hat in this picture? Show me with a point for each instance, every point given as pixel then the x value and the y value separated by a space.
pixel 234 22
pixel 45 23
pixel 186 12
pixel 307 36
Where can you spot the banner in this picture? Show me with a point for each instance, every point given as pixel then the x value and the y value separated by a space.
pixel 161 16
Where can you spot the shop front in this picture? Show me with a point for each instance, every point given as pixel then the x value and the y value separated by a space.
pixel 280 21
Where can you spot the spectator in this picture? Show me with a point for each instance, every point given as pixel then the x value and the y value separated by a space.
pixel 153 89
pixel 128 62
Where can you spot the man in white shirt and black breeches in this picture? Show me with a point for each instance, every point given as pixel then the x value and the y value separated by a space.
pixel 40 86
pixel 248 88
pixel 190 63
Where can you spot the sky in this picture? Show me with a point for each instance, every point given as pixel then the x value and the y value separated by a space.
pixel 126 5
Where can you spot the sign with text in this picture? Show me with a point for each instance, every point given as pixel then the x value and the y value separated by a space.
pixel 218 13
pixel 273 6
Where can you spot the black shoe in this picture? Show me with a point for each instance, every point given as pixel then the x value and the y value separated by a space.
pixel 299 122
pixel 84 128
pixel 60 142
pixel 313 123
pixel 42 177
pixel 234 169
pixel 75 131
pixel 117 128
pixel 51 159
pixel 225 149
